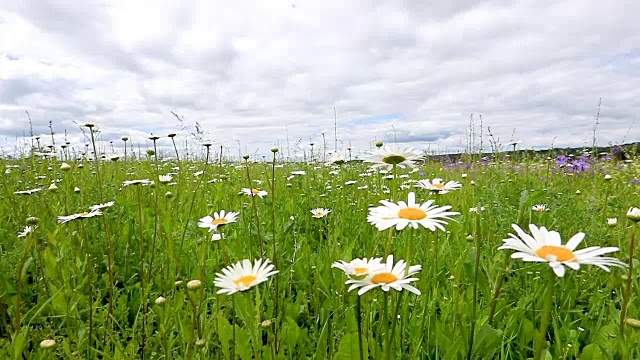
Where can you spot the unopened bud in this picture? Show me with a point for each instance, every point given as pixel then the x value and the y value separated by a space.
pixel 194 284
pixel 274 149
pixel 65 167
pixel 47 343
pixel 32 220
pixel 379 144
pixel 245 156
pixel 160 300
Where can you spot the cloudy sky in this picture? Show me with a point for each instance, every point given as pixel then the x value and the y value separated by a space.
pixel 259 72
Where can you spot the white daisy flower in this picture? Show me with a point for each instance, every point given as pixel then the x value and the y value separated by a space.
pixel 359 268
pixel 27 230
pixel 388 276
pixel 437 185
pixel 218 219
pixel 475 209
pixel 546 246
pixel 612 221
pixel 82 215
pixel 320 212
pixel 350 182
pixel 253 192
pixel 390 155
pixel 243 275
pixel 217 236
pixel 298 172
pixel 402 214
pixel 164 179
pixel 136 182
pixel 27 192
pixel 101 206
pixel 540 208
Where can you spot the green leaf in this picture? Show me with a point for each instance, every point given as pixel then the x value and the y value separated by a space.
pixel 348 349
pixel 591 352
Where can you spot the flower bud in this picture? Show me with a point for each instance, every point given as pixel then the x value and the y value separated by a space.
pixel 274 149
pixel 76 190
pixel 150 151
pixel 464 176
pixel 201 342
pixel 194 284
pixel 32 220
pixel 608 177
pixel 612 222
pixel 168 195
pixel 125 139
pixel 379 144
pixel 635 323
pixel 53 187
pixel 633 214
pixel 80 166
pixel 245 156
pixel 47 343
pixel 160 301
pixel 266 324
pixel 65 167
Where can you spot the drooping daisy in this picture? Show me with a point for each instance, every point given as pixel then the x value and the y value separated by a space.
pixel 320 212
pixel 546 246
pixel 388 276
pixel 101 206
pixel 218 219
pixel 540 208
pixel 437 185
pixel 359 268
pixel 253 192
pixel 243 276
pixel 82 215
pixel 402 214
pixel 390 155
pixel 27 230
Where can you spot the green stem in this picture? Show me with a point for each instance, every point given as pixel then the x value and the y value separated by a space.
pixel 359 320
pixel 546 316
pixel 255 211
pixel 627 293
pixel 476 271
pixel 275 254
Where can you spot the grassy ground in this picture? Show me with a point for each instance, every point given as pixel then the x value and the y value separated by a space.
pixel 91 284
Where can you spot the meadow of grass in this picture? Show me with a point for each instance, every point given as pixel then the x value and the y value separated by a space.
pixel 114 286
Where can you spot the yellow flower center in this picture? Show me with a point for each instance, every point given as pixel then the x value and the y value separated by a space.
pixel 438 186
pixel 245 281
pixel 255 191
pixel 220 221
pixel 319 213
pixel 383 278
pixel 360 270
pixel 83 214
pixel 411 213
pixel 561 253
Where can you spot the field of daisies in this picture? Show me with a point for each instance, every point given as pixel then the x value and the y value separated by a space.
pixel 396 257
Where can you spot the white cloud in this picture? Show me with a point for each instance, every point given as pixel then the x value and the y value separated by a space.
pixel 246 69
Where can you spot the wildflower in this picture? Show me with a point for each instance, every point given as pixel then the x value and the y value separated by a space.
pixel 27 192
pixel 388 276
pixel 218 219
pixel 53 187
pixel 320 212
pixel 136 182
pixel 253 192
pixel 358 268
pixel 475 209
pixel 402 214
pixel 65 167
pixel 164 179
pixel 82 215
pixel 32 220
pixel 612 222
pixel 243 276
pixel 194 284
pixel 464 176
pixel 76 190
pixel 540 208
pixel 101 206
pixel 607 177
pixel 438 185
pixel 27 230
pixel 350 182
pixel 546 246
pixel 217 236
pixel 298 173
pixel 389 156
pixel 633 214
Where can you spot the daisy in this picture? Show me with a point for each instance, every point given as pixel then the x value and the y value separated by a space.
pixel 253 192
pixel 243 276
pixel 402 214
pixel 359 268
pixel 546 246
pixel 27 230
pixel 164 179
pixel 320 212
pixel 475 209
pixel 218 219
pixel 540 208
pixel 101 206
pixel 438 186
pixel 388 276
pixel 136 182
pixel 389 155
pixel 27 192
pixel 82 215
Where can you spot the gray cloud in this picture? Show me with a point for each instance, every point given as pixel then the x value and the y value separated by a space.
pixel 248 71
